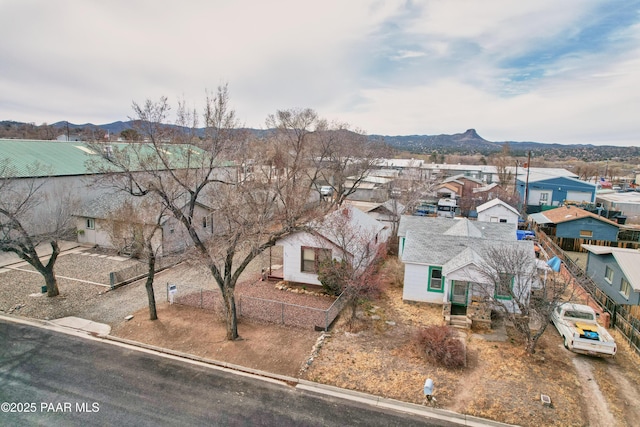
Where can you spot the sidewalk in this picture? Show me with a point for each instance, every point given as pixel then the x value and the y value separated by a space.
pixel 44 250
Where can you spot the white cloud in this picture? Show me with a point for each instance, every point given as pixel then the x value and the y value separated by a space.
pixel 386 66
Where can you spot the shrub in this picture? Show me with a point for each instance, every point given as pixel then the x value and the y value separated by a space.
pixel 331 275
pixel 394 270
pixel 442 345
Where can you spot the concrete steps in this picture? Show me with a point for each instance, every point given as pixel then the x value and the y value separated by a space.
pixel 462 322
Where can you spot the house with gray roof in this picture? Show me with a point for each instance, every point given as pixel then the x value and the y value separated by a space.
pixel 117 221
pixel 445 262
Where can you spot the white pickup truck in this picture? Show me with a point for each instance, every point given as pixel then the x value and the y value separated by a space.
pixel 581 332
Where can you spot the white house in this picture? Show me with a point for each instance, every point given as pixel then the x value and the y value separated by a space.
pixel 496 210
pixel 445 262
pixel 344 231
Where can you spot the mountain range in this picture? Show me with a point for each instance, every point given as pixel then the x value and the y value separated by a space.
pixel 468 142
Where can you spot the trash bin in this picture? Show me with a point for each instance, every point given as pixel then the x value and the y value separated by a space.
pixel 44 289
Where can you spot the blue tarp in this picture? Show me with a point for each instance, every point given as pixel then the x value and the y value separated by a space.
pixel 523 234
pixel 554 263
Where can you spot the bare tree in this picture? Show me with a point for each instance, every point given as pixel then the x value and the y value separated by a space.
pixel 354 271
pixel 586 171
pixel 328 154
pixel 503 162
pixel 344 159
pixel 185 170
pixel 31 217
pixel 137 229
pixel 512 284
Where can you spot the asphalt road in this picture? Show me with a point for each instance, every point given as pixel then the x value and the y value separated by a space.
pixel 54 379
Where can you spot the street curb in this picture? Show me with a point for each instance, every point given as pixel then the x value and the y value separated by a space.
pixel 299 384
pixel 231 366
pixel 398 405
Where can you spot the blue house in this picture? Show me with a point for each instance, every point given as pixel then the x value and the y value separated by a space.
pixel 616 271
pixel 552 187
pixel 570 227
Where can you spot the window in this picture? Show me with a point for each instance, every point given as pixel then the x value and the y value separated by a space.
pixel 625 288
pixel 544 197
pixel 435 279
pixel 312 257
pixel 91 224
pixel 586 233
pixel 204 222
pixel 608 275
pixel 578 315
pixel 504 287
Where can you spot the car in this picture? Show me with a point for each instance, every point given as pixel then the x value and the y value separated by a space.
pixel 577 325
pixel 326 190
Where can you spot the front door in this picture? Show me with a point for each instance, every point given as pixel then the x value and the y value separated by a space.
pixel 459 293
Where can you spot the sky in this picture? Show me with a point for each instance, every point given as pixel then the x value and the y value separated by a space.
pixel 515 70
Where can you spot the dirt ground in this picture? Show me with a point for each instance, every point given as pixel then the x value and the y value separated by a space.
pixel 273 348
pixel 377 355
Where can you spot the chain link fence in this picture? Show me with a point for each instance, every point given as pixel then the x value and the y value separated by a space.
pixel 260 309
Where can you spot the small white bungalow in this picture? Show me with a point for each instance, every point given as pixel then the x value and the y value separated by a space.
pixel 445 262
pixel 496 210
pixel 346 230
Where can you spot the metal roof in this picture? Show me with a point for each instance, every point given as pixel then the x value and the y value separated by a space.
pixel 628 260
pixel 542 174
pixel 32 158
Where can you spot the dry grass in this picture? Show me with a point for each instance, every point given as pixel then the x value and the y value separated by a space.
pixel 502 382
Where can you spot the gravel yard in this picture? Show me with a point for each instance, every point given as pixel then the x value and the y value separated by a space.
pixel 83 280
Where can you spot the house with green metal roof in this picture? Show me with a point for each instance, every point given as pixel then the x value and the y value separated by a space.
pixel 76 167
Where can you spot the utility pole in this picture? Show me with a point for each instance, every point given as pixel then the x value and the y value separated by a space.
pixel 515 181
pixel 526 187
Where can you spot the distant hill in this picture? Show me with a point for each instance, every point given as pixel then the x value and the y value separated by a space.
pixel 114 128
pixel 469 142
pixel 466 142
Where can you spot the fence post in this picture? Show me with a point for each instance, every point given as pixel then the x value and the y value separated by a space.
pixel 326 319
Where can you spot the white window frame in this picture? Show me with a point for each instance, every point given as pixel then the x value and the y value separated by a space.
pixel 625 288
pixel 608 274
pixel 90 224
